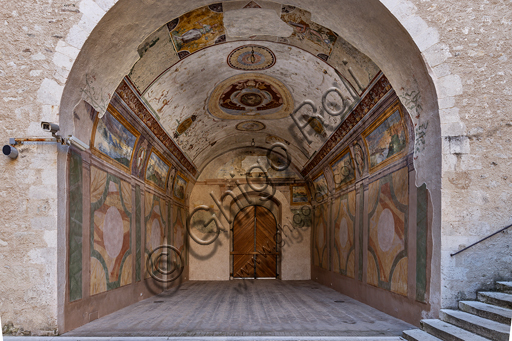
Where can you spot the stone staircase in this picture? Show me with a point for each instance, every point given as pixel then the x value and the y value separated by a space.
pixel 489 318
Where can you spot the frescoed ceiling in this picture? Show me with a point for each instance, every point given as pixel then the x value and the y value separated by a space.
pixel 229 75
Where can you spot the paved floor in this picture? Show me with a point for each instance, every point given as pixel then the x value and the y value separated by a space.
pixel 246 308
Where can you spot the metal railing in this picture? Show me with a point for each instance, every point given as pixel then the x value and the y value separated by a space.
pixel 481 240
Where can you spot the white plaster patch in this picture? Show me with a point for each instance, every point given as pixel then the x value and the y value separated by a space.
pixel 244 23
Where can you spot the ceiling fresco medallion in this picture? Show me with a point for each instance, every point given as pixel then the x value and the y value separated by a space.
pixel 250 95
pixel 251 58
pixel 250 126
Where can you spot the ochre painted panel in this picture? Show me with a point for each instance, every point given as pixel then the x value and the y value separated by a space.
pixel 387 244
pixel 321 223
pixel 343 255
pixel 111 214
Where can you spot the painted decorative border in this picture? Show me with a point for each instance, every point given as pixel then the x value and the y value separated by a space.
pixel 240 128
pixel 291 194
pixel 381 88
pixel 113 111
pixel 338 157
pixel 178 173
pixel 167 162
pixel 389 111
pixel 135 104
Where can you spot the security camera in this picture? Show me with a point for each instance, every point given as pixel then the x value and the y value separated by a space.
pixel 50 127
pixel 73 141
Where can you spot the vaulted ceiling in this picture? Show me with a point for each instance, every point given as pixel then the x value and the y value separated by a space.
pixel 229 75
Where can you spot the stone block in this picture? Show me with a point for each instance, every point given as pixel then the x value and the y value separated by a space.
pixel 459 144
pixel 414 25
pixel 105 4
pixel 428 38
pixel 50 237
pixel 449 86
pixel 63 61
pixel 66 49
pixel 437 54
pixel 447 102
pixel 50 92
pixel 76 36
pixel 453 129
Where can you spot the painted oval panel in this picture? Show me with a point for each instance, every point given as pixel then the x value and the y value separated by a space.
pixel 113 232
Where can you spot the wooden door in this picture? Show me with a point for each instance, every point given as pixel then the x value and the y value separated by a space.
pixel 254 244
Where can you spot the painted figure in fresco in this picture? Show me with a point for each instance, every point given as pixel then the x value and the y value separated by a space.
pixel 395 143
pixel 303 31
pixel 194 34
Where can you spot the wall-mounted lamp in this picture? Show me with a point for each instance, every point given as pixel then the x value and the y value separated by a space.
pixel 253 143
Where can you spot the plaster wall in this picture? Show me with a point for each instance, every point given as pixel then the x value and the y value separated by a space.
pixel 466 48
pixel 213 262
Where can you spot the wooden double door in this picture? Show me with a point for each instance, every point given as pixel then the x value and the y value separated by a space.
pixel 255 253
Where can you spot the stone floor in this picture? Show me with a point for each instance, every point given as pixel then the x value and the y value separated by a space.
pixel 246 308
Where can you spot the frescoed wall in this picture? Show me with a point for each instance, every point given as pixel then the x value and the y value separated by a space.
pixel 320 236
pixel 343 255
pixel 121 204
pixel 388 226
pixel 376 221
pixel 155 219
pixel 179 231
pixel 111 215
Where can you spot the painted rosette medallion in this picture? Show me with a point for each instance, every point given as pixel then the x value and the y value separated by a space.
pixel 250 95
pixel 251 58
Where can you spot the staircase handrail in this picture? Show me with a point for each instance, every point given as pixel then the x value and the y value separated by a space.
pixel 481 240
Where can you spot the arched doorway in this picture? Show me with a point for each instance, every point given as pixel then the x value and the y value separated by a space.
pixel 181 141
pixel 255 250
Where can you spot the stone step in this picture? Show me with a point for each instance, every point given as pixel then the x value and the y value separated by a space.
pixel 448 332
pixel 418 335
pixel 475 324
pixel 497 298
pixel 488 311
pixel 504 287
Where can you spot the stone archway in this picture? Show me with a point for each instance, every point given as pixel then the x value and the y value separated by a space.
pixel 400 59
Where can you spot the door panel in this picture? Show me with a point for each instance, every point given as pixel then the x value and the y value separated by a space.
pixel 254 247
pixel 266 264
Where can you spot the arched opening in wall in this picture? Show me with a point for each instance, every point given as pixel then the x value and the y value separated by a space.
pixel 223 100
